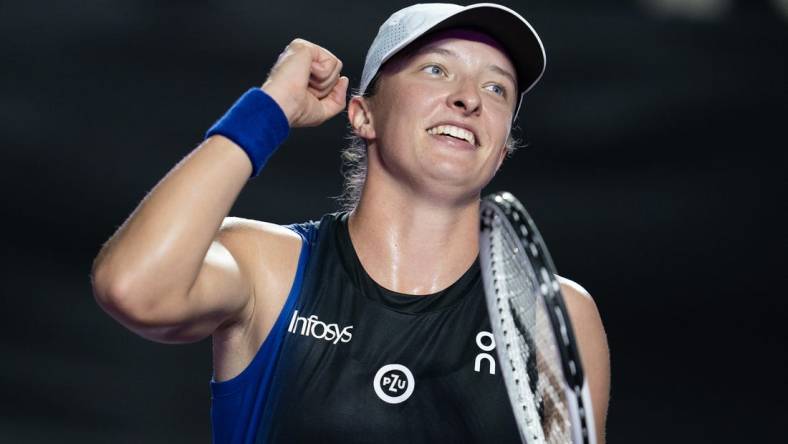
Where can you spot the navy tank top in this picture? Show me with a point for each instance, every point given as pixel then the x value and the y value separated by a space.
pixel 352 362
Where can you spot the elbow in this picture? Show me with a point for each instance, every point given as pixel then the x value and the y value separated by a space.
pixel 142 303
pixel 108 288
pixel 115 296
pixel 133 305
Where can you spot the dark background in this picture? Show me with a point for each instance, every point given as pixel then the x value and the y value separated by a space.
pixel 654 169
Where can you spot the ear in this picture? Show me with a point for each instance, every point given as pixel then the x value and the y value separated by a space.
pixel 360 117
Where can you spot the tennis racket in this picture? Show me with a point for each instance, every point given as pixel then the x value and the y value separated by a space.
pixel 534 340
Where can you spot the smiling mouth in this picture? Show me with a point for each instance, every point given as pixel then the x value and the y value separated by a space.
pixel 453 131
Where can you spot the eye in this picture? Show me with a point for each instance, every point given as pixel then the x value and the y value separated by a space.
pixel 435 70
pixel 497 89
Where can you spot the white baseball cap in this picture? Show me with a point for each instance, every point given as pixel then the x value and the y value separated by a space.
pixel 509 28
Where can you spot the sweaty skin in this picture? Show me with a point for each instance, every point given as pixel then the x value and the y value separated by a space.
pixel 179 269
pixel 415 228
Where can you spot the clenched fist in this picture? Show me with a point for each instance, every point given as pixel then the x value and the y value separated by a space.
pixel 306 83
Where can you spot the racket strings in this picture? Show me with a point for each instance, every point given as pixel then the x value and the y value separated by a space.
pixel 518 287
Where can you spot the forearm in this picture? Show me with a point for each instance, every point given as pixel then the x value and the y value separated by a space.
pixel 160 248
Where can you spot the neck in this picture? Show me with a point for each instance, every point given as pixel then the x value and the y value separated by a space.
pixel 411 244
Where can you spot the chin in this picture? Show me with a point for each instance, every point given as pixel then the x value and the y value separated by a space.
pixel 458 171
pixel 453 183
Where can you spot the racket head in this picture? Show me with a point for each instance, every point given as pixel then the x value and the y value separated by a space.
pixel 536 347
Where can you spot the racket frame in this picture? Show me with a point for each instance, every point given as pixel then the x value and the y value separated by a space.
pixel 512 216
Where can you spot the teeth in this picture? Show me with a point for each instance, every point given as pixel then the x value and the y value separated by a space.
pixel 453 131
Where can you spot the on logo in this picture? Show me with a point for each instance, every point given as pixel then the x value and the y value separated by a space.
pixel 477 365
pixel 394 383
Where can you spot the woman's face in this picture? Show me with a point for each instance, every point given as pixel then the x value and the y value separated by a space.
pixel 442 113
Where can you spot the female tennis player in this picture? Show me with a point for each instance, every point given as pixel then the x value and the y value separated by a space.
pixel 367 325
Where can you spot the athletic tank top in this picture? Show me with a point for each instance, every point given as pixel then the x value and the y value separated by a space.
pixel 352 362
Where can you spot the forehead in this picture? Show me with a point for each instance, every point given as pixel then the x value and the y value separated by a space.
pixel 484 50
pixel 490 48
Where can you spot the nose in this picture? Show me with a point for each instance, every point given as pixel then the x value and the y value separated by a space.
pixel 466 98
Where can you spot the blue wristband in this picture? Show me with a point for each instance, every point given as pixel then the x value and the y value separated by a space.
pixel 257 124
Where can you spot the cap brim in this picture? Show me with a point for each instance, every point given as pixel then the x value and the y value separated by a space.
pixel 512 31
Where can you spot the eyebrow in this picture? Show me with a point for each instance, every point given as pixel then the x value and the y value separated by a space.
pixel 448 52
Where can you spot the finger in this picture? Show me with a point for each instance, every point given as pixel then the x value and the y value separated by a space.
pixel 325 84
pixel 320 70
pixel 323 62
pixel 300 54
pixel 337 99
pixel 323 89
pixel 321 94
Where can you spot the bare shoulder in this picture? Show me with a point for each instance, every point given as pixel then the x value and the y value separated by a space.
pixel 267 254
pixel 242 229
pixel 592 339
pixel 577 296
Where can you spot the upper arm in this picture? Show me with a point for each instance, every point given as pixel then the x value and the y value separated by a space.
pixel 240 272
pixel 594 353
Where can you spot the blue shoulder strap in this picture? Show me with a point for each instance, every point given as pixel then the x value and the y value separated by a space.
pixel 237 404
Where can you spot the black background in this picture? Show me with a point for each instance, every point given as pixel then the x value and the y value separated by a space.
pixel 654 170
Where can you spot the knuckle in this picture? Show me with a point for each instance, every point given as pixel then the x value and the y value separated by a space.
pixel 297 43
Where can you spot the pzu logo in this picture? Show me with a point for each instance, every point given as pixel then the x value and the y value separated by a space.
pixel 490 346
pixel 394 383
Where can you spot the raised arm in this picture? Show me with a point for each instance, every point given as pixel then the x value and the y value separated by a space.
pixel 176 270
